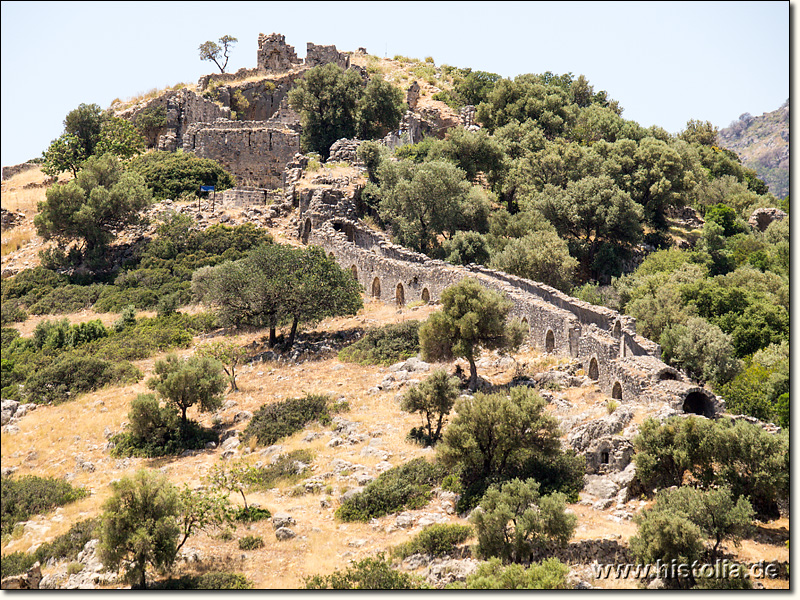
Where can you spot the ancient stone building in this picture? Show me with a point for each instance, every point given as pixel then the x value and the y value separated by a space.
pixel 257 152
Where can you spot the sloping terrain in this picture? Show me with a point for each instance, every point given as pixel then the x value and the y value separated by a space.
pixel 763 145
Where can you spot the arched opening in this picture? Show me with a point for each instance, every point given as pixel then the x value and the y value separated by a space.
pixel 594 371
pixel 350 232
pixel 426 295
pixel 354 271
pixel 604 458
pixel 376 288
pixel 667 376
pixel 549 341
pixel 699 404
pixel 617 331
pixel 400 295
pixel 306 231
pixel 616 391
pixel 525 320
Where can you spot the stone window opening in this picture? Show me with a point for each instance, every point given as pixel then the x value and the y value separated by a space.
pixel 307 231
pixel 399 295
pixel 426 295
pixel 550 341
pixel 354 271
pixel 604 458
pixel 594 371
pixel 616 391
pixel 667 376
pixel 376 288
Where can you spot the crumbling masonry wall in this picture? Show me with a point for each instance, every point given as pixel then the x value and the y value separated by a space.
pixel 625 365
pixel 256 152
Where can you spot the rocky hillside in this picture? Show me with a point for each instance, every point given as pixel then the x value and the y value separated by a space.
pixel 763 145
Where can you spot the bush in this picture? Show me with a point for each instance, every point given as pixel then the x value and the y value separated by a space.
pixel 251 542
pixel 72 374
pixel 515 521
pixel 74 567
pixel 272 422
pixel 384 345
pixel 433 399
pixel 171 174
pixel 16 563
pixel 550 574
pixel 251 514
pixel 745 457
pixel 438 540
pixel 215 580
pixel 497 437
pixel 155 430
pixel 67 299
pixel 368 574
pixel 29 495
pixel 405 486
pixel 286 467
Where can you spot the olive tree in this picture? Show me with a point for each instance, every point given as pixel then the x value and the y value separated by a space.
pixel 195 381
pixel 433 399
pixel 472 318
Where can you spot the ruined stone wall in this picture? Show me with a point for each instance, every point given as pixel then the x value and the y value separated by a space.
pixel 625 365
pixel 184 108
pixel 274 54
pixel 250 196
pixel 9 172
pixel 322 55
pixel 255 152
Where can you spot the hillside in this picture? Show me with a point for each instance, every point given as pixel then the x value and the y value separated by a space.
pixel 641 380
pixel 763 145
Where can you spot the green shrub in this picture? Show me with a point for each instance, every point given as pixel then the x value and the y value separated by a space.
pixel 215 580
pixel 550 574
pixel 251 514
pixel 156 430
pixel 68 545
pixel 405 486
pixel 272 422
pixel 67 299
pixel 170 174
pixel 384 345
pixel 16 563
pixel 251 542
pixel 12 312
pixel 23 497
pixel 74 568
pixel 289 467
pixel 438 539
pixel 368 574
pixel 72 373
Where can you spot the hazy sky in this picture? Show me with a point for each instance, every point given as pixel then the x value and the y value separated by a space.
pixel 665 62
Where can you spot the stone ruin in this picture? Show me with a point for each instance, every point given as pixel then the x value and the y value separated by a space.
pixel 603 342
pixel 258 145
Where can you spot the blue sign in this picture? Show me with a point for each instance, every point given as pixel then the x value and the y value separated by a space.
pixel 206 188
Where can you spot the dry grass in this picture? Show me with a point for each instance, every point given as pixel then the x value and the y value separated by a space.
pixel 52 436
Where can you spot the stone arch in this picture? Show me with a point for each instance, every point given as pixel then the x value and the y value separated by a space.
pixel 616 391
pixel 426 295
pixel 306 231
pixel 550 341
pixel 604 457
pixel 400 295
pixel 354 271
pixel 376 288
pixel 594 370
pixel 698 403
pixel 617 331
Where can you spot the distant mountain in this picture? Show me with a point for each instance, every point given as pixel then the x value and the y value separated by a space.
pixel 763 145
